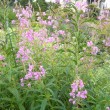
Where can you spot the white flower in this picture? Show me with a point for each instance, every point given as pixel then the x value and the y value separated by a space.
pixel 16 1
pixel 53 1
pixel 47 0
pixel 34 0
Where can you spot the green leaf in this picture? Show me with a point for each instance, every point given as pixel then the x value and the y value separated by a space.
pixel 43 105
pixel 21 107
pixel 60 102
pixel 2 83
pixel 15 93
pixel 52 93
pixel 5 99
pixel 32 106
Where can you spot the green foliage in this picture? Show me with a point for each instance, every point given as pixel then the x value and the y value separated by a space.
pixel 6 15
pixel 39 3
pixel 93 11
pixel 62 66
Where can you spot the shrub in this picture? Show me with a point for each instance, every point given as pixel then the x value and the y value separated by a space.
pixel 63 52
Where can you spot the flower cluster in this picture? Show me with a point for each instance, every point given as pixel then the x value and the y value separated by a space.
pixel 104 14
pixel 81 5
pixel 23 16
pixel 23 54
pixel 31 75
pixel 29 35
pixel 51 22
pixel 52 30
pixel 77 91
pixel 94 49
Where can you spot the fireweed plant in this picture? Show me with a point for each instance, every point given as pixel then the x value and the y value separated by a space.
pixel 61 59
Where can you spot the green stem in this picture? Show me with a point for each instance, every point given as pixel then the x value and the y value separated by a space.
pixel 7 26
pixel 77 43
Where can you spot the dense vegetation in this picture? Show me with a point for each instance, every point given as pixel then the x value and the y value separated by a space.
pixel 54 60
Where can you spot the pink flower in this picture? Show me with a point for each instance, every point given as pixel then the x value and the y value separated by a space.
pixel 82 94
pixel 29 35
pixel 44 14
pixel 23 53
pixel 13 21
pixel 74 102
pixel 50 23
pixel 81 5
pixel 50 39
pixel 57 1
pixel 61 32
pixel 81 85
pixel 24 22
pixel 56 46
pixel 21 80
pixel 70 100
pixel 42 70
pixel 31 75
pixel 67 20
pixel 39 18
pixel 82 58
pixel 101 17
pixel 74 87
pixel 37 75
pixel 43 22
pixel 29 85
pixel 22 84
pixel 23 15
pixel 2 57
pixel 31 67
pixel 95 50
pixel 72 94
pixel 49 17
pixel 89 43
pixel 77 91
pixel 66 1
pixel 27 12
